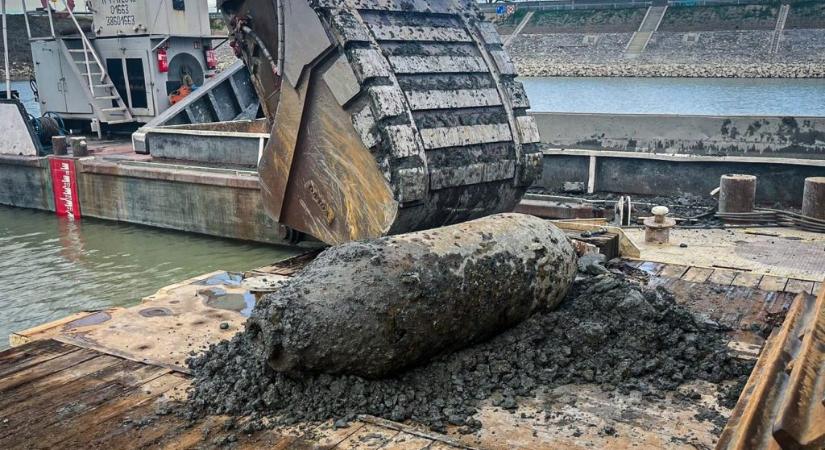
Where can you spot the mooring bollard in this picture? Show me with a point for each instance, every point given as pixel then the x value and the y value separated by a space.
pixel 813 198
pixel 737 193
pixel 59 145
pixel 657 228
pixel 79 147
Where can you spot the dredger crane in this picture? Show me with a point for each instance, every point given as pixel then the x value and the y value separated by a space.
pixel 387 116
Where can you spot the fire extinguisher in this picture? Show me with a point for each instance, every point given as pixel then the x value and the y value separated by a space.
pixel 163 60
pixel 211 59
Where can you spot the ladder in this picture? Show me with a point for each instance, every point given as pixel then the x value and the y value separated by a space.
pixel 780 27
pixel 107 104
pixel 509 40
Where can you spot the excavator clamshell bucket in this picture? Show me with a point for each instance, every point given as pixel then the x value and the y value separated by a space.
pixel 388 116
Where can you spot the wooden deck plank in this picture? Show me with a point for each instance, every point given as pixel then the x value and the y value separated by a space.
pixel 738 301
pixel 724 305
pixel 438 445
pixel 368 437
pixel 136 427
pixel 779 305
pixel 773 283
pixel 757 314
pixel 406 441
pixel 114 401
pixel 54 413
pixel 635 263
pixel 332 437
pixel 13 354
pixel 19 358
pixel 817 287
pixel 55 381
pixel 212 430
pixel 650 267
pixel 673 271
pixel 47 367
pixel 665 282
pixel 46 399
pixel 722 276
pixel 270 440
pixel 116 408
pixel 797 286
pixel 697 274
pixel 747 279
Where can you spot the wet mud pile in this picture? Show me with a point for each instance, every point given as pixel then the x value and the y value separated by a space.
pixel 609 330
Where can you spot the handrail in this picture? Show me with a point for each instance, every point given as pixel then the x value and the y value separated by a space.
pixel 87 47
pixel 6 51
pixel 51 20
pixel 26 19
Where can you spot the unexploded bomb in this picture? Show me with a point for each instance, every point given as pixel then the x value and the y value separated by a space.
pixel 373 307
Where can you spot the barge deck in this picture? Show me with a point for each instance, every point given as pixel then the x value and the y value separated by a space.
pixel 108 378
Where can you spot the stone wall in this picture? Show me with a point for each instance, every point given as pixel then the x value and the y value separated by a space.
pixel 708 47
pixel 809 14
pixel 585 21
pixel 720 18
pixel 711 41
pixel 565 48
pixel 802 45
pixel 680 54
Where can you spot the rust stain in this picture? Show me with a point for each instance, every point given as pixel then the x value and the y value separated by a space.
pixel 782 403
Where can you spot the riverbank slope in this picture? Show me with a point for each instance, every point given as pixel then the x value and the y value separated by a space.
pixel 698 41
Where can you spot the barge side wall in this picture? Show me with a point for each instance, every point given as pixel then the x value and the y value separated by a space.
pixel 25 182
pixel 216 204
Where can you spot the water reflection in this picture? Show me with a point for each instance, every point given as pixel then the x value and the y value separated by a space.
pixel 50 267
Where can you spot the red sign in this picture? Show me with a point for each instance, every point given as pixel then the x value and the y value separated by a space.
pixel 64 186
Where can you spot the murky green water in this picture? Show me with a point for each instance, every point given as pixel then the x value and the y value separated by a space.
pixel 52 267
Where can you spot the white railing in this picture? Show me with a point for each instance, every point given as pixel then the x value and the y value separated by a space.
pixel 87 48
pixel 6 51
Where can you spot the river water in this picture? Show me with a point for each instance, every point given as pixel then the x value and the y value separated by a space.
pixel 26 96
pixel 50 267
pixel 695 96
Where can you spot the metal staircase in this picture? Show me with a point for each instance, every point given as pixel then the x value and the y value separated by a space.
pixel 85 63
pixel 780 27
pixel 638 43
pixel 509 40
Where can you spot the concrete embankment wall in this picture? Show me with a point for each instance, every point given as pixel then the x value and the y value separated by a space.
pixel 789 137
pixel 672 155
pixel 212 202
pixel 714 41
